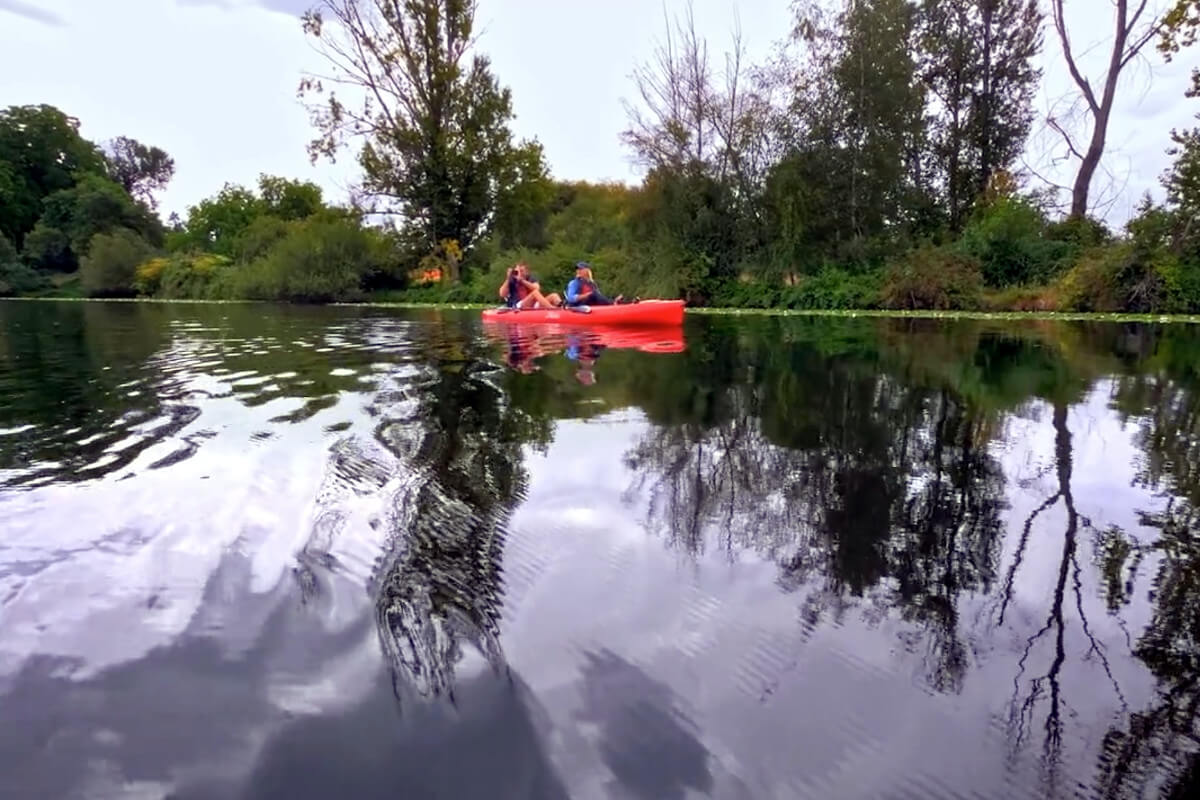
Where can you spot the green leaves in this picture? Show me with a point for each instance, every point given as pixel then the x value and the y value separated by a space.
pixel 433 127
pixel 1180 26
pixel 140 169
pixel 110 267
pixel 41 152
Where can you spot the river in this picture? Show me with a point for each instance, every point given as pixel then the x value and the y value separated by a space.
pixel 261 551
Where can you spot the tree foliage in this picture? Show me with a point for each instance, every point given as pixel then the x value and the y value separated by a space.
pixel 1181 25
pixel 41 152
pixel 219 223
pixel 140 169
pixel 434 126
pixel 977 60
pixel 110 267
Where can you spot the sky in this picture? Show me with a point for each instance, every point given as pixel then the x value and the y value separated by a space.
pixel 213 82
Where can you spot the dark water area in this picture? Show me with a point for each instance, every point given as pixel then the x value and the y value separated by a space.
pixel 249 551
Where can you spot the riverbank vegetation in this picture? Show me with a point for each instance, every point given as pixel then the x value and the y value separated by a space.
pixel 874 161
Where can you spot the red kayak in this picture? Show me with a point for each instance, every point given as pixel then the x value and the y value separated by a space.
pixel 646 312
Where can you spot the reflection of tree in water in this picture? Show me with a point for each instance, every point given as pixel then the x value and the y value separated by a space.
pixel 1160 747
pixel 1045 690
pixel 1157 751
pixel 881 487
pixel 441 585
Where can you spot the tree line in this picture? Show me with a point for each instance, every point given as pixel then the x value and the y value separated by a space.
pixel 875 159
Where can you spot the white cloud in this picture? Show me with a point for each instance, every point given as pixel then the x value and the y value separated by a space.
pixel 214 86
pixel 30 12
pixel 214 81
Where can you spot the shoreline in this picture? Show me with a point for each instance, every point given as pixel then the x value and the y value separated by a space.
pixel 1051 316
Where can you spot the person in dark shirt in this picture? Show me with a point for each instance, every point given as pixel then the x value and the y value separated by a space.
pixel 522 290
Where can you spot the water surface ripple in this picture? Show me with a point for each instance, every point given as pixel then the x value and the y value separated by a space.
pixel 257 551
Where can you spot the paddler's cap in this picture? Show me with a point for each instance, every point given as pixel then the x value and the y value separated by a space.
pixel 582 265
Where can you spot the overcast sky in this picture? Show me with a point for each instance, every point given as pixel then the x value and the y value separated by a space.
pixel 213 82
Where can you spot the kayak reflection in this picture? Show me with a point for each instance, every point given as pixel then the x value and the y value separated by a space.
pixel 525 344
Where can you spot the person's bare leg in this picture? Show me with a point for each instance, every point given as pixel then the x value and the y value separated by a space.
pixel 536 299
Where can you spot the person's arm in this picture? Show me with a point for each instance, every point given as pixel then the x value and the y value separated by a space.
pixel 505 286
pixel 573 290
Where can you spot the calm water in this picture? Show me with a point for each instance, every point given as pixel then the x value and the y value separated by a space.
pixel 249 551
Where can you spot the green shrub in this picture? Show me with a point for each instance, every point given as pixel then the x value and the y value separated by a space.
pixel 18 279
pixel 744 294
pixel 834 288
pixel 259 237
pixel 15 277
pixel 49 249
pixel 933 278
pixel 1127 278
pixel 8 253
pixel 1023 298
pixel 1078 233
pixel 320 260
pixel 1007 239
pixel 195 276
pixel 110 267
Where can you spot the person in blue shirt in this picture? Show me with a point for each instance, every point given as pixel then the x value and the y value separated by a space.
pixel 583 291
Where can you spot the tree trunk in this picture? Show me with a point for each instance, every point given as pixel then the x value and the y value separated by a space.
pixel 1089 164
pixel 1128 41
pixel 985 130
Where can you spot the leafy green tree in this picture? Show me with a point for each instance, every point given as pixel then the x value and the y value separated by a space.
pixel 41 152
pixel 96 205
pixel 977 59
pixel 522 213
pixel 215 223
pixel 287 199
pixel 49 249
pixel 140 169
pixel 319 260
pixel 705 137
pixel 110 267
pixel 434 124
pixel 72 217
pixel 1007 237
pixel 878 110
pixel 15 277
pixel 1182 181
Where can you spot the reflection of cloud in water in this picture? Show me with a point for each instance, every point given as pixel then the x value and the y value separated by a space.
pixel 297 710
pixel 487 747
pixel 644 739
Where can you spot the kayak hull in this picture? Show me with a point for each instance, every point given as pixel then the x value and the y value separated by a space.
pixel 646 312
pixel 548 337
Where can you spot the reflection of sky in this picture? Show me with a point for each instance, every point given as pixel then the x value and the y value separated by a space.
pixel 1104 461
pixel 84 560
pixel 789 711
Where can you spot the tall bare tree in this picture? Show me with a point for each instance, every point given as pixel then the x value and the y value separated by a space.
pixel 1134 26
